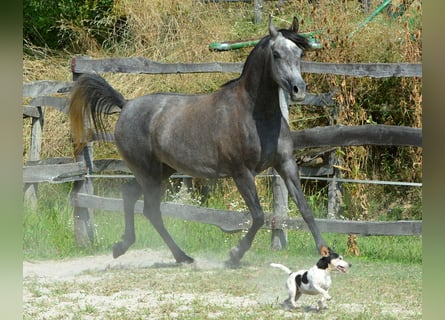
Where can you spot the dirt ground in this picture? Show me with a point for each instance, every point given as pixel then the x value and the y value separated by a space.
pixel 57 289
pixel 147 284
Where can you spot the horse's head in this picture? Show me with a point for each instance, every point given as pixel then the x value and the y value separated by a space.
pixel 287 47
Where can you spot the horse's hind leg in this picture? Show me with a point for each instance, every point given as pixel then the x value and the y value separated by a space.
pixel 152 210
pixel 131 191
pixel 246 186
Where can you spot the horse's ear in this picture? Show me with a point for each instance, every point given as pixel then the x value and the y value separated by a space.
pixel 324 251
pixel 294 26
pixel 272 30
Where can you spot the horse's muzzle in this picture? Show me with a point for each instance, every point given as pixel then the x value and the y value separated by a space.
pixel 298 93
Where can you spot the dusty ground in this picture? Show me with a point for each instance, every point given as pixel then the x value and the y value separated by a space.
pixel 147 284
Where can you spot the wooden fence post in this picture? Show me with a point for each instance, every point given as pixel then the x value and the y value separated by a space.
pixel 280 193
pixel 31 189
pixel 258 11
pixel 83 217
pixel 280 209
pixel 335 199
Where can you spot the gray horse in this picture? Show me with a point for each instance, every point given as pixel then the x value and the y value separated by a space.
pixel 237 131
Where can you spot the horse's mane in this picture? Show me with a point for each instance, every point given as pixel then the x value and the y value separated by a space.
pixel 298 39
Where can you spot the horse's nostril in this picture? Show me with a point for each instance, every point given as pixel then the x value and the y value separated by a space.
pixel 295 89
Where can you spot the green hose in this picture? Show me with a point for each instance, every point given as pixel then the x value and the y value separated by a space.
pixel 235 45
pixel 371 16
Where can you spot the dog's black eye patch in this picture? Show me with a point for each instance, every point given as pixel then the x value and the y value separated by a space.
pixel 305 280
pixel 298 280
pixel 323 263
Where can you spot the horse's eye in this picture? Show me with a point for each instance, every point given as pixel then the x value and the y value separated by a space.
pixel 276 55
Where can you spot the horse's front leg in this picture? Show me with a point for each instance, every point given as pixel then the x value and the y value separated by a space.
pixel 131 191
pixel 289 172
pixel 245 183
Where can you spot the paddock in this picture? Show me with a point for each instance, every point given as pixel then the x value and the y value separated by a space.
pixel 148 284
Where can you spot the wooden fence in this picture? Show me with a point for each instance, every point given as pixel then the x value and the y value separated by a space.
pixel 81 170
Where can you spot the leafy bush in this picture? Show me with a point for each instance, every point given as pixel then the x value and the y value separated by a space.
pixel 68 24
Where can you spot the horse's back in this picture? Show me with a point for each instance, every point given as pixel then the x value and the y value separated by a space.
pixel 182 131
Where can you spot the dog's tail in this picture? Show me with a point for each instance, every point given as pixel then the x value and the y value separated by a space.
pixel 280 266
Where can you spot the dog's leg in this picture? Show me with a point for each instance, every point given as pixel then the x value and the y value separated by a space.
pixel 323 292
pixel 296 297
pixel 324 297
pixel 294 293
pixel 322 304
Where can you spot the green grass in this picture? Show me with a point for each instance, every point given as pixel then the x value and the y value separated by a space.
pixel 48 234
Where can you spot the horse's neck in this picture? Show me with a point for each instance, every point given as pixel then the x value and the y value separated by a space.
pixel 262 91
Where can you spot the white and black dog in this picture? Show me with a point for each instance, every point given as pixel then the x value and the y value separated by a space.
pixel 316 280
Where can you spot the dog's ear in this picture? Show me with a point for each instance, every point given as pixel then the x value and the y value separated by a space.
pixel 325 251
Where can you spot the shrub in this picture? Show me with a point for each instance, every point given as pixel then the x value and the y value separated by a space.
pixel 75 25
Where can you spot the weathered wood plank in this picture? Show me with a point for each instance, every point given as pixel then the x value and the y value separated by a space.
pixel 83 218
pixel 233 221
pixel 54 173
pixel 44 87
pixel 104 165
pixel 30 111
pixel 383 135
pixel 31 190
pixel 338 136
pixel 374 70
pixel 364 228
pixel 140 65
pixel 228 221
pixel 62 104
pixel 55 160
pixel 59 103
pixel 110 165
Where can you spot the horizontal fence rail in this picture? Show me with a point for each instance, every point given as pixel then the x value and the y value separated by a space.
pixel 234 221
pixel 140 65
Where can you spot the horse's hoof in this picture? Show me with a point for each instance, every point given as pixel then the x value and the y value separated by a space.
pixel 235 258
pixel 185 260
pixel 118 250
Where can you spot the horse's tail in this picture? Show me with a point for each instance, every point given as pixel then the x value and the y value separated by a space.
pixel 280 266
pixel 91 98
